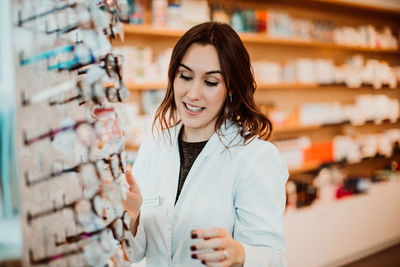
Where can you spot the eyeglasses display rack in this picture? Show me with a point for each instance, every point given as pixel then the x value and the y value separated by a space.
pixel 70 133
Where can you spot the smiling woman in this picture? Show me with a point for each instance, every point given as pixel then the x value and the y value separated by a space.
pixel 230 65
pixel 199 91
pixel 213 193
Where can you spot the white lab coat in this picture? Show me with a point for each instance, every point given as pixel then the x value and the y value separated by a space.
pixel 241 189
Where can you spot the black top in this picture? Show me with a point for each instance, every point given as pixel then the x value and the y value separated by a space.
pixel 188 153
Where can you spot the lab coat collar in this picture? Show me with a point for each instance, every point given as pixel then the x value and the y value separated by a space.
pixel 227 136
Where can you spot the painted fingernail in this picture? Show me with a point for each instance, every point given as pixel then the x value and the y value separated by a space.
pixel 193 248
pixel 194 235
pixel 194 256
pixel 204 262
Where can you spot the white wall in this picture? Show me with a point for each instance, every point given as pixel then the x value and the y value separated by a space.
pixel 6 56
pixel 343 231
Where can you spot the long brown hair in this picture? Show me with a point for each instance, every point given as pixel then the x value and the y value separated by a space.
pixel 239 106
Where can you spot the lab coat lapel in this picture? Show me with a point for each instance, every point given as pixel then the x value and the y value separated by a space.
pixel 169 176
pixel 216 144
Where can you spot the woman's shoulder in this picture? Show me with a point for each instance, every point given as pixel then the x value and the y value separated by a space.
pixel 236 141
pixel 257 147
pixel 261 157
pixel 257 152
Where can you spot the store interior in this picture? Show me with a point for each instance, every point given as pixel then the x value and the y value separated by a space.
pixel 328 78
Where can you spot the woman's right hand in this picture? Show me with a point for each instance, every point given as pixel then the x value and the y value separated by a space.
pixel 133 201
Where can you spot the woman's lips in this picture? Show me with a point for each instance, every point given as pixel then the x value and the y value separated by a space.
pixel 192 110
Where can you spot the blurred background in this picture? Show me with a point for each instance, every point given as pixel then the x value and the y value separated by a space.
pixel 328 77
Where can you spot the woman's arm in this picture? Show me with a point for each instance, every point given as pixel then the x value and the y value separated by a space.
pixel 260 203
pixel 133 203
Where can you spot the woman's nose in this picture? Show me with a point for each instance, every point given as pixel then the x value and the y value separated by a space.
pixel 195 91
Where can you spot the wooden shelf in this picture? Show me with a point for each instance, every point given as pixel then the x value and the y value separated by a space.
pixel 280 86
pixel 392 8
pixel 313 166
pixel 131 147
pixel 260 86
pixel 298 128
pixel 306 168
pixel 152 31
pixel 255 38
pixel 294 129
pixel 145 86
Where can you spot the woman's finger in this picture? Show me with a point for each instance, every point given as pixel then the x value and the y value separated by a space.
pixel 130 179
pixel 210 233
pixel 217 264
pixel 213 243
pixel 211 256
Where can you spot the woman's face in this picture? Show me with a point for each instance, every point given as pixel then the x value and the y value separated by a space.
pixel 200 91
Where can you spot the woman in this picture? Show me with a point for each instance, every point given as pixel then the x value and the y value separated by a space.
pixel 213 190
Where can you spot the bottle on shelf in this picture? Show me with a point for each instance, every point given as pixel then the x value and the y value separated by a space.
pixel 159 13
pixel 219 13
pixel 237 20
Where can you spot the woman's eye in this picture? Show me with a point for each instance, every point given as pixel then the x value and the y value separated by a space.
pixel 211 83
pixel 186 78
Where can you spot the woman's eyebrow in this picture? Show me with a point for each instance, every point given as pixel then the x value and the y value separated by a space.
pixel 208 72
pixel 186 67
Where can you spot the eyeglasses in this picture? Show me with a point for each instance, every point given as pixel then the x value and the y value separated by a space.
pixel 98 95
pixel 95 251
pixel 48 92
pixel 82 56
pixel 47 260
pixel 99 241
pixel 52 133
pixel 116 227
pixel 80 59
pixel 96 204
pixel 97 18
pixel 91 88
pixel 112 64
pixel 127 246
pixel 116 163
pixel 46 55
pixel 22 21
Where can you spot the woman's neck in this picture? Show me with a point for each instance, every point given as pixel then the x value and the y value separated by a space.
pixel 196 135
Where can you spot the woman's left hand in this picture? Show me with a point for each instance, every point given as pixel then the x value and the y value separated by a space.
pixel 221 248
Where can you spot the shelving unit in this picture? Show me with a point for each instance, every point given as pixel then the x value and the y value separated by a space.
pixel 386 7
pixel 289 95
pixel 323 227
pixel 256 38
pixel 264 86
pixel 299 129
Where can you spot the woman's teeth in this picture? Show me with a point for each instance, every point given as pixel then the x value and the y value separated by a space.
pixel 194 109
